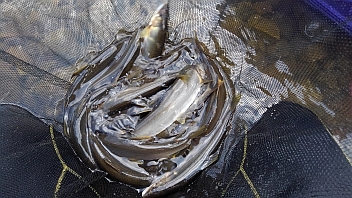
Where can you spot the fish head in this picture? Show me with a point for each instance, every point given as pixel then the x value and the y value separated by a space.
pixel 153 36
pixel 159 17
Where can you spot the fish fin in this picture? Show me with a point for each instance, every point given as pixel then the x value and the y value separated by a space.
pixel 145 32
pixel 182 119
pixel 217 85
pixel 206 94
pixel 210 160
pixel 220 82
pixel 205 81
pixel 184 77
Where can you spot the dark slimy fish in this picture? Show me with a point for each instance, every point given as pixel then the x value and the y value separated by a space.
pixel 148 119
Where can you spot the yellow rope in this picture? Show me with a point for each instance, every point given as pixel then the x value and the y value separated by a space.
pixel 65 168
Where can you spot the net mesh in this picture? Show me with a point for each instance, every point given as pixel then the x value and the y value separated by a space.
pixel 290 64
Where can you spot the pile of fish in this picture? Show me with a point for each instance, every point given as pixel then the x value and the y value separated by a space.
pixel 149 119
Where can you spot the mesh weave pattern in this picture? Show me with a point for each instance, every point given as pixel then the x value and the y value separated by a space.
pixel 271 50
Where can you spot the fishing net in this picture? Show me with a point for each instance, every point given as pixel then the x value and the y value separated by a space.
pixel 290 65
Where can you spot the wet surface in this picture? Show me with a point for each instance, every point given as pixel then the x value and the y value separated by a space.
pixel 271 52
pixel 297 55
pixel 149 122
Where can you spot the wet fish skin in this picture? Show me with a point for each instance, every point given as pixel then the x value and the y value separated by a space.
pixel 131 93
pixel 95 74
pixel 134 149
pixel 175 103
pixel 154 34
pixel 199 159
pixel 78 97
pixel 90 93
pixel 119 167
pixel 206 152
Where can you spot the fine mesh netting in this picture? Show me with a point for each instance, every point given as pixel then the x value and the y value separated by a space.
pixel 290 65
